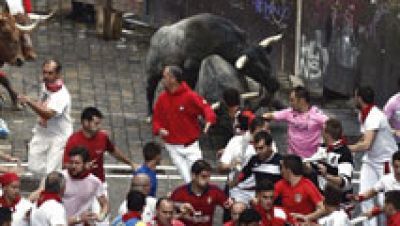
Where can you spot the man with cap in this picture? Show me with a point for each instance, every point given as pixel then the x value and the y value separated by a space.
pixel 12 199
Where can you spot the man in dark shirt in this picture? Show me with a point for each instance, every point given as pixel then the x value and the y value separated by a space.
pixel 265 164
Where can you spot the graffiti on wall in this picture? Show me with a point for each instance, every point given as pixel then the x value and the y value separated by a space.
pixel 277 12
pixel 330 39
pixel 314 56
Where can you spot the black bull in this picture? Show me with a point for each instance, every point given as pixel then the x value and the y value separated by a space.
pixel 188 42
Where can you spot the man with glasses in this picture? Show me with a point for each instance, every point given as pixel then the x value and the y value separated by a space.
pixel 54 124
pixel 265 164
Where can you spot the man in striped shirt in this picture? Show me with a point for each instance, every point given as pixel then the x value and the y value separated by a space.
pixel 265 164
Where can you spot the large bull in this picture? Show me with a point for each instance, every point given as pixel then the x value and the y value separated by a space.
pixel 211 40
pixel 15 44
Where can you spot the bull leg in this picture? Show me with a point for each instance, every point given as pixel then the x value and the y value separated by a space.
pixel 152 83
pixel 27 47
pixel 4 81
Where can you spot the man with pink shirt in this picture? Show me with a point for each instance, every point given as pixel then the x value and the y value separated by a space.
pixel 305 123
pixel 392 111
pixel 81 189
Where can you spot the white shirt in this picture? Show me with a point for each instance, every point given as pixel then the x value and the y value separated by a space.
pixel 19 215
pixel 149 210
pixel 61 123
pixel 384 144
pixel 50 213
pixel 235 150
pixel 336 218
pixel 80 193
pixel 15 6
pixel 387 183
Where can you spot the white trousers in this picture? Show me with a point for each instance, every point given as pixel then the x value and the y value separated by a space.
pixel 45 153
pixel 370 174
pixel 183 157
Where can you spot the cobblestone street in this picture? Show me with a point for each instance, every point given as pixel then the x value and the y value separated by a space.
pixel 108 75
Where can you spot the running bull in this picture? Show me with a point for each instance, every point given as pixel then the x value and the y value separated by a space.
pixel 15 44
pixel 210 48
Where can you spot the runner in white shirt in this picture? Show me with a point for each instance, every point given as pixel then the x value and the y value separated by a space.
pixel 387 183
pixel 82 188
pixel 335 216
pixel 141 182
pixel 54 125
pixel 12 199
pixel 49 210
pixel 377 142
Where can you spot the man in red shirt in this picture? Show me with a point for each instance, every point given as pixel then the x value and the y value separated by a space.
pixel 299 195
pixel 175 119
pixel 198 199
pixel 97 142
pixel 392 207
pixel 271 215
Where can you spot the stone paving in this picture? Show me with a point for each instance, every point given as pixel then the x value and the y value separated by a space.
pixel 108 75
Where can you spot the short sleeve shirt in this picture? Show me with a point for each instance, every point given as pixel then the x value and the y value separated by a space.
pixel 301 198
pixel 384 144
pixel 387 183
pixel 304 129
pixel 61 123
pixel 80 193
pixel 203 204
pixel 96 145
pixel 50 213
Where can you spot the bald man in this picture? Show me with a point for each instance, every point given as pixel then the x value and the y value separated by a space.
pixel 141 182
pixel 236 209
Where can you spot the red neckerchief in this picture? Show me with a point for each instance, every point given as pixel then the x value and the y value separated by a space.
pixel 54 86
pixel 365 111
pixel 337 144
pixel 81 176
pixel 46 196
pixel 131 214
pixel 11 206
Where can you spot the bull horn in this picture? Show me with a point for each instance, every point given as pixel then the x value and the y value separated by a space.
pixel 266 42
pixel 34 16
pixel 27 28
pixel 215 105
pixel 241 61
pixel 249 95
